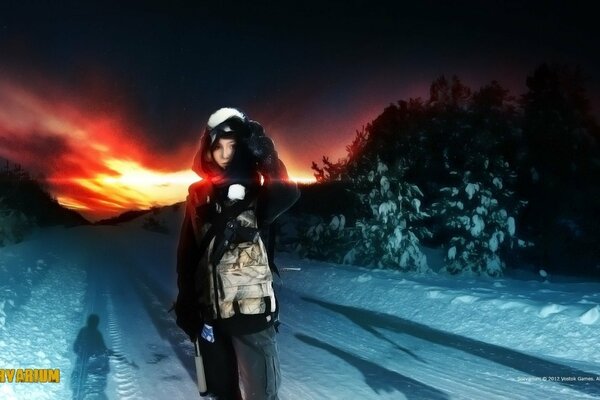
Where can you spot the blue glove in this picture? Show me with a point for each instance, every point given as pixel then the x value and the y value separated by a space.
pixel 208 333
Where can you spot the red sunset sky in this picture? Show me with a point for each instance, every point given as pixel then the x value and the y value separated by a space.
pixel 108 102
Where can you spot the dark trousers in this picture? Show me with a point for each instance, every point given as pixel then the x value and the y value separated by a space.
pixel 248 361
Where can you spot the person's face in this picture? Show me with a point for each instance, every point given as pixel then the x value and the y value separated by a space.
pixel 223 152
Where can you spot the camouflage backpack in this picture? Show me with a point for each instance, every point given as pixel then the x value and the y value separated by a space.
pixel 234 258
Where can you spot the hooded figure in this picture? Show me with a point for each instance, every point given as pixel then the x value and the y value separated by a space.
pixel 224 277
pixel 226 123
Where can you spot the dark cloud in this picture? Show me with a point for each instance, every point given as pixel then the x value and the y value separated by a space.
pixel 166 66
pixel 52 155
pixel 37 150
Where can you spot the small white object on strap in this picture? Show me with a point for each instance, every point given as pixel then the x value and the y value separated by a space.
pixel 236 192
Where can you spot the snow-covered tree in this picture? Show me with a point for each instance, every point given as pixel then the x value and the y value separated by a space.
pixel 561 171
pixel 480 212
pixel 387 237
pixel 14 225
pixel 549 139
pixel 326 240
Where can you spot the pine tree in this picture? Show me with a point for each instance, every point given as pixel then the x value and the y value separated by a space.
pixel 389 237
pixel 559 175
pixel 480 213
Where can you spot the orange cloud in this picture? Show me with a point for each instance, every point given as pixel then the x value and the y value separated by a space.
pixel 93 162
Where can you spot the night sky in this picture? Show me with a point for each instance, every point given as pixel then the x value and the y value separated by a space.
pixel 108 101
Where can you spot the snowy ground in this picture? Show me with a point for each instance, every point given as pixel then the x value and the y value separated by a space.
pixel 347 332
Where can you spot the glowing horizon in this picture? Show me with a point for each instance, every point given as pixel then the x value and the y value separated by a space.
pixel 148 188
pixel 97 164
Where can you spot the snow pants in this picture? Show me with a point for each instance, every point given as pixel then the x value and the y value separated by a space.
pixel 247 364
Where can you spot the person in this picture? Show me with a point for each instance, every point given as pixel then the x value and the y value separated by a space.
pixel 226 297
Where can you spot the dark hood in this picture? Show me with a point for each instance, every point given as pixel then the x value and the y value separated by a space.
pixel 202 165
pixel 242 166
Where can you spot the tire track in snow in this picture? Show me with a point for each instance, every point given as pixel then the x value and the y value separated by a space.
pixel 80 371
pixel 165 324
pixel 97 255
pixel 125 375
pixel 152 338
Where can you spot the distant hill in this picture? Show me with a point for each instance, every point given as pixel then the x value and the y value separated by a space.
pixel 132 215
pixel 21 192
pixel 124 217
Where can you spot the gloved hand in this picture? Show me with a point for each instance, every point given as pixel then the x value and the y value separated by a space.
pixel 208 333
pixel 262 148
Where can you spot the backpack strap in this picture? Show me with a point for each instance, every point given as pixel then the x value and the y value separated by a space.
pixel 219 221
pixel 271 248
pixel 271 258
pixel 223 226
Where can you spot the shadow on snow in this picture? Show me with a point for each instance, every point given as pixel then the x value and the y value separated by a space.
pixel 378 377
pixel 525 363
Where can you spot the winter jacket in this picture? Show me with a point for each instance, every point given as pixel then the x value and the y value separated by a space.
pixel 213 293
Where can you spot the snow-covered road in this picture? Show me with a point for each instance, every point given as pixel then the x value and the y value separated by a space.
pixel 360 353
pixel 346 332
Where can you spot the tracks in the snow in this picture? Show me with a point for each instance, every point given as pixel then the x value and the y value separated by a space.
pixel 149 293
pixel 103 369
pixel 125 374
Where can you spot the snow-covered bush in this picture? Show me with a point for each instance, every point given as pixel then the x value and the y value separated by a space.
pixel 480 213
pixel 387 237
pixel 325 240
pixel 14 225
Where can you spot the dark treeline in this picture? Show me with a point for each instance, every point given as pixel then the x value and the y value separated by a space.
pixel 25 203
pixel 547 137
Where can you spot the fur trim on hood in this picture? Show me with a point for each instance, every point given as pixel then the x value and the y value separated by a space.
pixel 222 115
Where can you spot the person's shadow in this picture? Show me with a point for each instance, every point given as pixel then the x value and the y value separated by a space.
pixel 380 379
pixel 88 379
